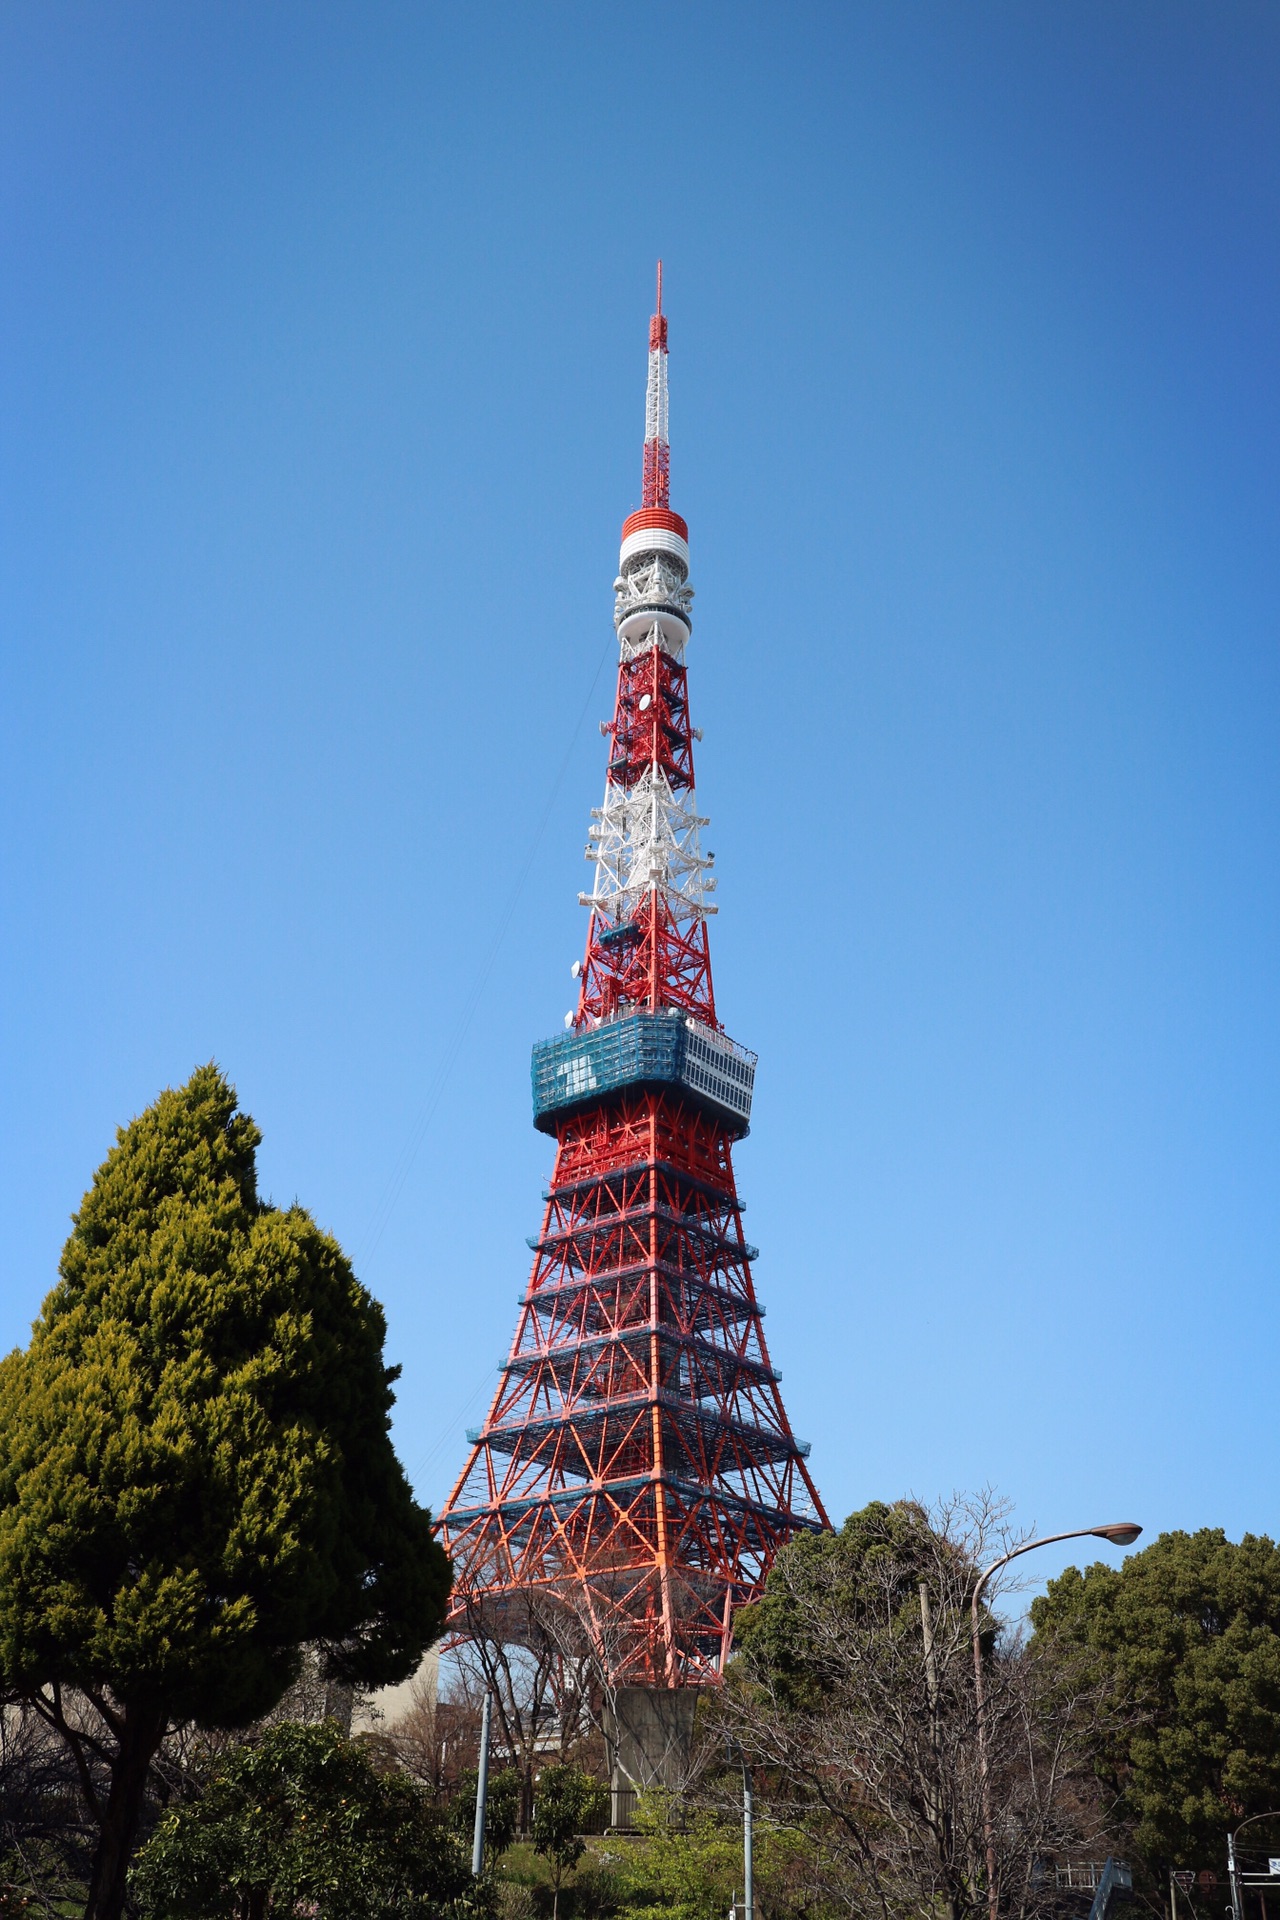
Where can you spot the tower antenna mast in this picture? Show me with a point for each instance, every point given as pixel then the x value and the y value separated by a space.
pixel 656 490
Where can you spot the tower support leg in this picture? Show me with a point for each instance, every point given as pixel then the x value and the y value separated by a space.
pixel 649 1732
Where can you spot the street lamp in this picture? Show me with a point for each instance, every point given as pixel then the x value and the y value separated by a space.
pixel 482 1788
pixel 748 1821
pixel 1233 1865
pixel 1121 1533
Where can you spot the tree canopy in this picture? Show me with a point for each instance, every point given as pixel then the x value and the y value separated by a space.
pixel 1188 1634
pixel 872 1566
pixel 196 1472
pixel 302 1823
pixel 501 1809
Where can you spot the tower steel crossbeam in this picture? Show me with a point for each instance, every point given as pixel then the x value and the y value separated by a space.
pixel 637 1461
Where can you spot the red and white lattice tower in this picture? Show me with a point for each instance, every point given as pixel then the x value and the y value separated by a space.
pixel 637 1453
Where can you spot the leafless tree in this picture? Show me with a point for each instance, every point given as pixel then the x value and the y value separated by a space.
pixel 602 1674
pixel 438 1740
pixel 46 1835
pixel 46 1842
pixel 858 1719
pixel 541 1692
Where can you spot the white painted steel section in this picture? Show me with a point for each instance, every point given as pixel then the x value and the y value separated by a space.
pixel 655 398
pixel 647 841
pixel 649 627
pixel 653 540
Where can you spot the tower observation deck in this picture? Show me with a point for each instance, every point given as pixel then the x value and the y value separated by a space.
pixel 637 1465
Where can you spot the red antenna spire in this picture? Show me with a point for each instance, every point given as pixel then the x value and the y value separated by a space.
pixel 657 449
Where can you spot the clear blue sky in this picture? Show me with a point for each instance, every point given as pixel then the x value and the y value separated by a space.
pixel 322 339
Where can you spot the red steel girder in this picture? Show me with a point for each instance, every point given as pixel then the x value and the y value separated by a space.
pixel 637 1452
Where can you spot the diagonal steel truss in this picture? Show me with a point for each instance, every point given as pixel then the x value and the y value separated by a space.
pixel 637 1445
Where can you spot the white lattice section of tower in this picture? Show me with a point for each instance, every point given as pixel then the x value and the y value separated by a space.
pixel 655 399
pixel 646 840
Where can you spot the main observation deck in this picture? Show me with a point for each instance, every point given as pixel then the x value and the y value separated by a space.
pixel 644 1049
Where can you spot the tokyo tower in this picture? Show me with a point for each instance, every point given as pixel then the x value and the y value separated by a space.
pixel 637 1458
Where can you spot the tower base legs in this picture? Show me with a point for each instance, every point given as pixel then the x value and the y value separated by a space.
pixel 649 1732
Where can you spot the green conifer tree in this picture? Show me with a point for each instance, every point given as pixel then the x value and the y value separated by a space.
pixel 196 1473
pixel 1187 1636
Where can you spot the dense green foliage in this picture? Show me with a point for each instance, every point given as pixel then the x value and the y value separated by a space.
pixel 690 1869
pixel 877 1558
pixel 196 1473
pixel 1188 1633
pixel 501 1810
pixel 301 1823
pixel 195 1469
pixel 681 1863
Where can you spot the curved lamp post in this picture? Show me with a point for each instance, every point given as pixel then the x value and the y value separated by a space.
pixel 1121 1533
pixel 1233 1868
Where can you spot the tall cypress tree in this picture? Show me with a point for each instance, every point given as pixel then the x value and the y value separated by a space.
pixel 196 1472
pixel 1187 1635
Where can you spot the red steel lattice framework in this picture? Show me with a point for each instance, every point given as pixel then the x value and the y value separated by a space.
pixel 637 1455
